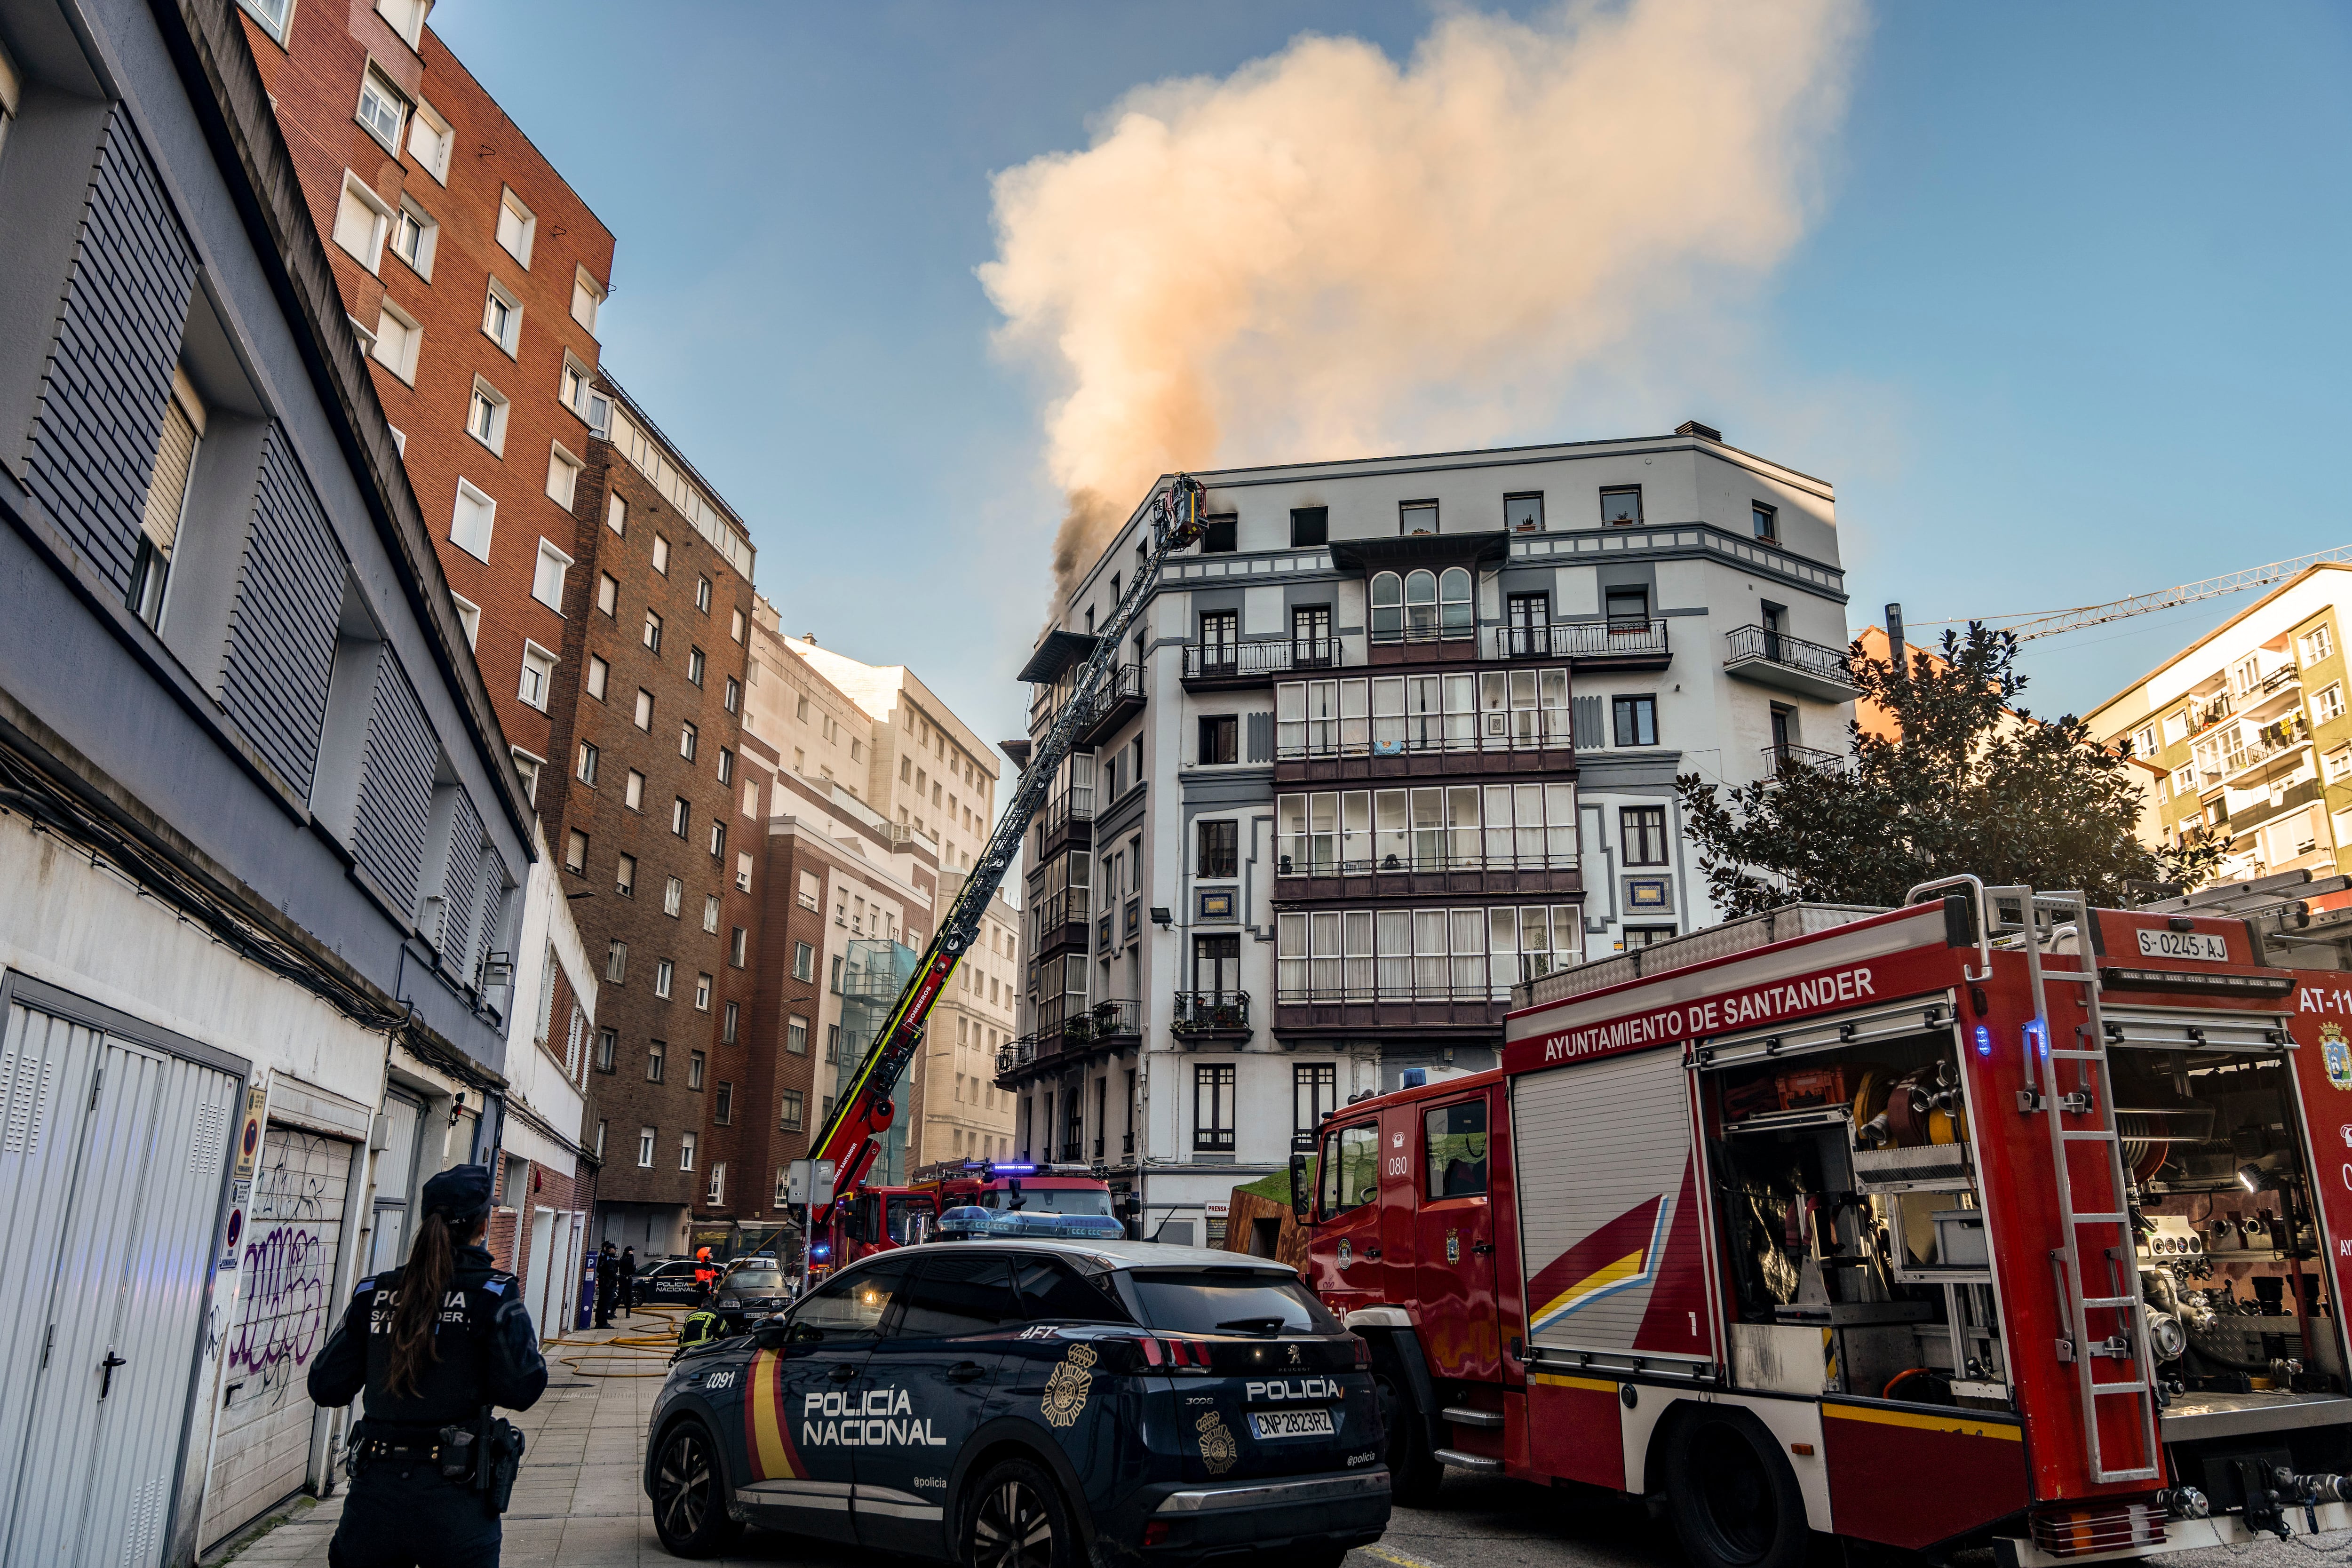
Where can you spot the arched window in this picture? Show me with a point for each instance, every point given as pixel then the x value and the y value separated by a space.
pixel 1388 607
pixel 1453 602
pixel 1421 606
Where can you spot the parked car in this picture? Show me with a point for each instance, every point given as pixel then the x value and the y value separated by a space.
pixel 753 1289
pixel 671 1279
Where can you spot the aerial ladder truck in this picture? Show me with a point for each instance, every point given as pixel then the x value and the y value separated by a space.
pixel 851 1137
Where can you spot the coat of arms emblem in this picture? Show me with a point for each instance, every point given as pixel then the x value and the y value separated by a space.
pixel 1066 1391
pixel 1453 1246
pixel 2335 1055
pixel 1347 1253
pixel 1217 1450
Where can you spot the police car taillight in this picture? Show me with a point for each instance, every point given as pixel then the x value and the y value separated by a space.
pixel 1363 1350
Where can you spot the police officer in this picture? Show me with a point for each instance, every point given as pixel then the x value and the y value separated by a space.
pixel 434 1343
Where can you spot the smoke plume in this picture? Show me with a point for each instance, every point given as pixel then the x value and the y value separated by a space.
pixel 1325 254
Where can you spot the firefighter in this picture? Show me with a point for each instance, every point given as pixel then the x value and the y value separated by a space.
pixel 706 1273
pixel 435 1344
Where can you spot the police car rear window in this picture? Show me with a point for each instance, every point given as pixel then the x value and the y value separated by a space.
pixel 1052 1291
pixel 1230 1301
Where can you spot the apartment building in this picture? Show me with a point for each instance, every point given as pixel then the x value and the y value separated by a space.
pixel 264 845
pixel 958 1111
pixel 1400 730
pixel 2247 727
pixel 647 817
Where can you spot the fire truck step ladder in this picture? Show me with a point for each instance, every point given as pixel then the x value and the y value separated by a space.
pixel 2092 1101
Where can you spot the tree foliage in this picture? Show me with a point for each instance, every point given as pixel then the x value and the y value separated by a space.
pixel 1969 783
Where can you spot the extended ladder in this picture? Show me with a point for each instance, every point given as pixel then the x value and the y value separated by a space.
pixel 2092 1103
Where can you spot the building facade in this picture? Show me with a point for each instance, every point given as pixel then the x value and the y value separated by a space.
pixel 2247 729
pixel 265 848
pixel 1400 730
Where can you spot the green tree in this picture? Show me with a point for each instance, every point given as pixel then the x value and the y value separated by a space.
pixel 1969 783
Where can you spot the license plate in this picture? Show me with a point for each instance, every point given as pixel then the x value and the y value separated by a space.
pixel 2201 946
pixel 1291 1422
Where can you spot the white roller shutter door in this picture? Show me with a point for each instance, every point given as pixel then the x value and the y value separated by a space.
pixel 285 1310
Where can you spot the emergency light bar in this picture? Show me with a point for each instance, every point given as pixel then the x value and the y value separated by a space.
pixel 2193 980
pixel 973 1223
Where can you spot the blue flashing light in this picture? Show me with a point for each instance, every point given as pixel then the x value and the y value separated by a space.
pixel 1984 1041
pixel 2037 1039
pixel 1014 1170
pixel 973 1223
pixel 821 1250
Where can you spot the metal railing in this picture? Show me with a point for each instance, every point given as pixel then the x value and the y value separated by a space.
pixel 1783 756
pixel 1368 995
pixel 1125 685
pixel 2271 741
pixel 1789 652
pixel 1234 660
pixel 1621 638
pixel 1076 803
pixel 1426 631
pixel 1294 865
pixel 1073 904
pixel 1201 1011
pixel 1511 730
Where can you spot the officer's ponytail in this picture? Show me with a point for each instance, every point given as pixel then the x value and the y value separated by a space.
pixel 423 1283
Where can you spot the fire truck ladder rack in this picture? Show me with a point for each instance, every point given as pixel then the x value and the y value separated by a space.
pixel 2045 916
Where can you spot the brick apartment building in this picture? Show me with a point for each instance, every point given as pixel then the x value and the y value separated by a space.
pixel 646 814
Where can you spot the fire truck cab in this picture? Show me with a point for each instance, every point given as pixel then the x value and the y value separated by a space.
pixel 1991 1219
pixel 876 1219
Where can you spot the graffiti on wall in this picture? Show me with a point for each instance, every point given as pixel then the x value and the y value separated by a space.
pixel 289 1262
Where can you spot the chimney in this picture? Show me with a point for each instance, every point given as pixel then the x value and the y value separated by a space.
pixel 1895 632
pixel 809 637
pixel 1704 432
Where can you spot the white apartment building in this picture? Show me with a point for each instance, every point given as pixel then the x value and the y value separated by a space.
pixel 1400 729
pixel 2248 725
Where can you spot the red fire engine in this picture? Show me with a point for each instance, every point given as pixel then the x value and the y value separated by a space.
pixel 876 1219
pixel 1994 1218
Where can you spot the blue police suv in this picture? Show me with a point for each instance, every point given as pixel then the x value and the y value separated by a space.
pixel 1014 1395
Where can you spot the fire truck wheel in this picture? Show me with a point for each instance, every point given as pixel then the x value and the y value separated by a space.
pixel 1414 1472
pixel 1734 1498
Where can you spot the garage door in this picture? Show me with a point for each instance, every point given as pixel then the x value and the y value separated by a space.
pixel 285 1310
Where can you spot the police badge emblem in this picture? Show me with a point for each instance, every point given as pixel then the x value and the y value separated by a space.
pixel 1453 1246
pixel 1217 1450
pixel 2337 1055
pixel 1066 1391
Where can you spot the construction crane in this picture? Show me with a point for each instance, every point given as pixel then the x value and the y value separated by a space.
pixel 851 1137
pixel 2075 620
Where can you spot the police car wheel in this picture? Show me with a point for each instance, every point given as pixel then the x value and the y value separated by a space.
pixel 1015 1519
pixel 1734 1500
pixel 690 1493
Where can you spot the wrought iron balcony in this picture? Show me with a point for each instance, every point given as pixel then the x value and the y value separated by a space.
pixel 1212 1013
pixel 1783 757
pixel 1122 698
pixel 1614 644
pixel 1213 664
pixel 1790 664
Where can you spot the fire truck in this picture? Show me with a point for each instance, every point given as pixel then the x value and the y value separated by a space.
pixel 1993 1219
pixel 876 1219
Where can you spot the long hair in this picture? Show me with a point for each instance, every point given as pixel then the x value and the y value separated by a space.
pixel 432 1264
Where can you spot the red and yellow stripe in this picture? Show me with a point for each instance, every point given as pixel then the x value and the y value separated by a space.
pixel 767 1426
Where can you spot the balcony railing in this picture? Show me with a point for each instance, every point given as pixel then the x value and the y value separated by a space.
pixel 2269 742
pixel 1749 644
pixel 1121 698
pixel 1785 757
pixel 1318 861
pixel 1211 1012
pixel 1063 908
pixel 1076 803
pixel 1310 993
pixel 1611 639
pixel 1503 731
pixel 1245 660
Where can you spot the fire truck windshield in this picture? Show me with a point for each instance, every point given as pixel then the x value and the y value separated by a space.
pixel 1050 1200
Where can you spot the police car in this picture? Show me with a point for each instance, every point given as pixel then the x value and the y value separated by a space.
pixel 1028 1400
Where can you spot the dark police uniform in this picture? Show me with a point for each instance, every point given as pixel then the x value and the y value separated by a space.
pixel 401 1510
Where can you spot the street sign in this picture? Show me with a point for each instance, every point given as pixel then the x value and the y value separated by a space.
pixel 796 1184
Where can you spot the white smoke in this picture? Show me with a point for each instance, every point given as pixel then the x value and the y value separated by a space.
pixel 1286 264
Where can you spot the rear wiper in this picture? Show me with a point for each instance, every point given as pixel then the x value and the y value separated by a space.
pixel 1265 1327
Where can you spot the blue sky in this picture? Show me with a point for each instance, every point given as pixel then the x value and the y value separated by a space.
pixel 2069 323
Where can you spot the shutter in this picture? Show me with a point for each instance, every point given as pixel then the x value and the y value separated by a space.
pixel 1261 738
pixel 1588 722
pixel 175 459
pixel 1596 1212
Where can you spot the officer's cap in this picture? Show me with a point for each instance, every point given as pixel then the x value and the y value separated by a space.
pixel 459 1193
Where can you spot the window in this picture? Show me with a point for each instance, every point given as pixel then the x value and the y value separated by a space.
pixel 731 698
pixel 796 1035
pixel 804 962
pixel 1219 535
pixel 575 852
pixel 2144 741
pixel 572 387
pixel 681 815
pixel 689 738
pixel 1455 616
pixel 585 769
pixel 2339 768
pixel 2329 704
pixel 501 317
pixel 1388 607
pixel 485 415
pixel 735 626
pixel 406 16
pixel 717 840
pixel 717 1195
pixel 608 1044
pixel 1636 720
pixel 1219 738
pixel 538 674
pixel 789 1118
pixel 2316 644
pixel 1523 513
pixel 729 1019
pixel 517 226
pixel 383 109
pixel 167 497
pixel 1454 1148
pixel 710 913
pixel 599 675
pixel 272 14
pixel 1220 851
pixel 563 476
pixel 413 233
pixel 616 963
pixel 1621 504
pixel 644 714
pixel 546 580
pixel 702 594
pixel 661 553
pixel 651 636
pixel 1628 608
pixel 1213 1107
pixel 665 976
pixel 1417 517
pixel 624 877
pixel 686 1142
pixel 398 339
pixel 1309 525
pixel 1642 831
pixel 726 773
pixel 586 297
pixel 694 665
pixel 526 768
pixel 2184 779
pixel 1314 1094
pixel 701 1003
pixel 429 141
pixel 469 615
pixel 739 947
pixel 616 514
pixel 673 897
pixel 1765 520
pixel 644 1147
pixel 362 218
